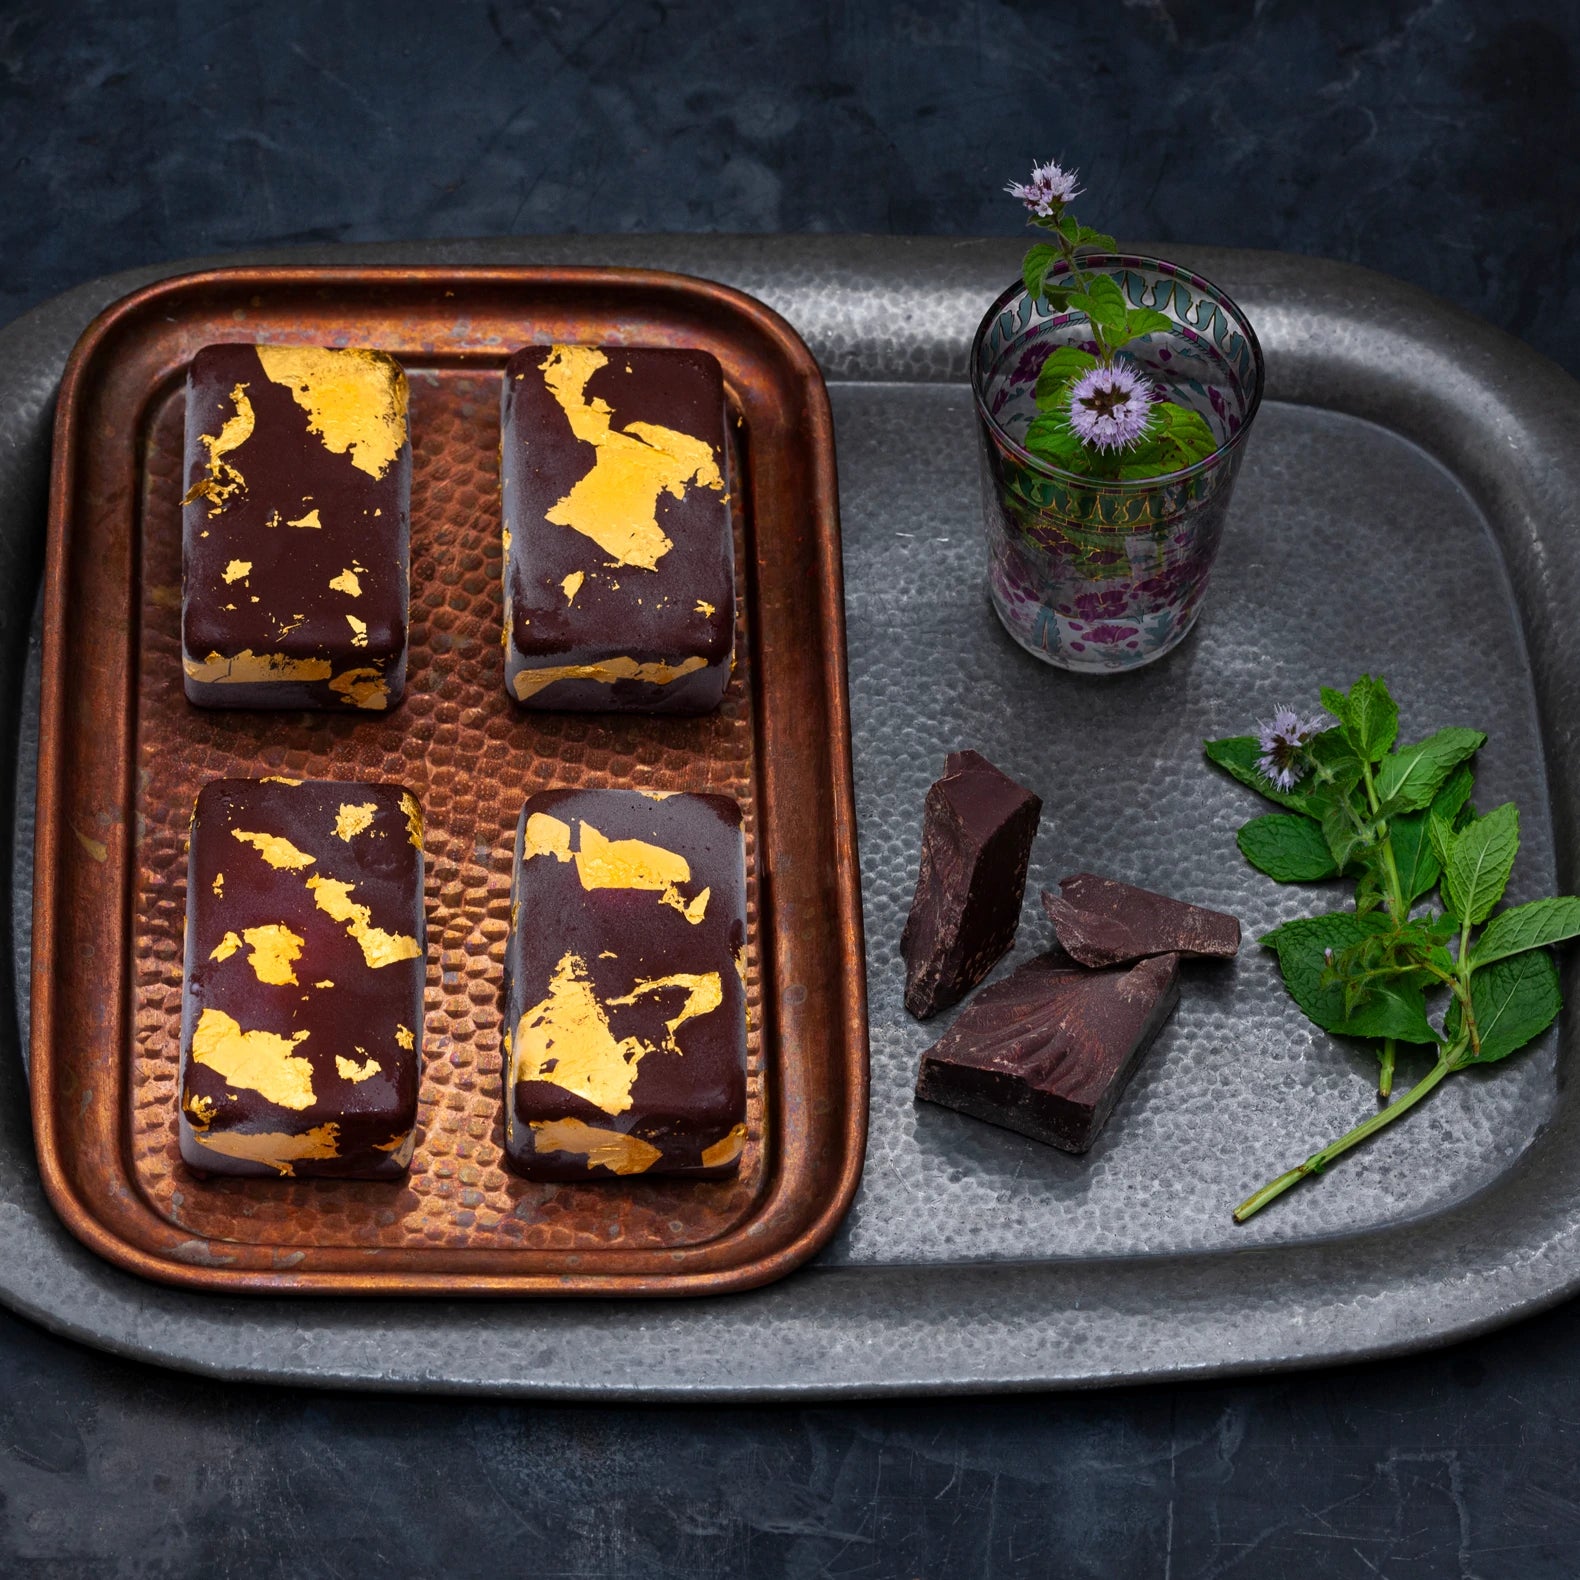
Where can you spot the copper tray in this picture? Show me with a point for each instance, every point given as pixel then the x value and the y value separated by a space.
pixel 124 754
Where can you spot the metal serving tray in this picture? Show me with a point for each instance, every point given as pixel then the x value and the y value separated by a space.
pixel 1409 505
pixel 123 757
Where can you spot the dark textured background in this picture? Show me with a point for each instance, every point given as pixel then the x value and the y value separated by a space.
pixel 1436 140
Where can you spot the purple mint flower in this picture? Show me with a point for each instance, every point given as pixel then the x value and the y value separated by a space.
pixel 1109 407
pixel 1282 740
pixel 1049 189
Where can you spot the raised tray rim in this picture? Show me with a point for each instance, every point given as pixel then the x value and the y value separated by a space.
pixel 803 1199
pixel 1498 414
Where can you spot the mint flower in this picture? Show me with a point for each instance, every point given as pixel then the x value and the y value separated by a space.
pixel 1109 407
pixel 1282 740
pixel 1049 189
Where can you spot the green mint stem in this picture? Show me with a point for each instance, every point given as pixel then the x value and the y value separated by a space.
pixel 1318 1161
pixel 1385 1077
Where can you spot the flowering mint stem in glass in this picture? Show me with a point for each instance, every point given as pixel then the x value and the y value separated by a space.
pixel 1100 417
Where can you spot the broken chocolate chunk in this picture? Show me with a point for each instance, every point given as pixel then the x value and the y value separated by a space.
pixel 977 831
pixel 1048 1051
pixel 1102 922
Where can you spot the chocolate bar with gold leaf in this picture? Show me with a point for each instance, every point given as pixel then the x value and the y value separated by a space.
pixel 301 1020
pixel 625 982
pixel 619 551
pixel 295 528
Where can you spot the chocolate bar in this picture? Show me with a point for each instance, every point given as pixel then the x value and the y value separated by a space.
pixel 295 528
pixel 301 1019
pixel 625 986
pixel 1048 1051
pixel 1102 922
pixel 977 829
pixel 619 550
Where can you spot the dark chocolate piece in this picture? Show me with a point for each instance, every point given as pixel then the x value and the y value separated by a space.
pixel 295 531
pixel 1102 922
pixel 977 830
pixel 1048 1051
pixel 301 1018
pixel 619 550
pixel 625 986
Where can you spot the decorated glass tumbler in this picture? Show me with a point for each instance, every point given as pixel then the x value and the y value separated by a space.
pixel 1103 576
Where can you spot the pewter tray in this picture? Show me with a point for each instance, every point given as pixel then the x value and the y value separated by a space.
pixel 1409 506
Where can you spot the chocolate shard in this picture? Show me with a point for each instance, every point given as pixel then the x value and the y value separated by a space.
pixel 1048 1051
pixel 1102 922
pixel 977 830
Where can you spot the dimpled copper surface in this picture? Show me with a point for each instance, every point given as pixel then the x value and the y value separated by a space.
pixel 470 758
pixel 460 1222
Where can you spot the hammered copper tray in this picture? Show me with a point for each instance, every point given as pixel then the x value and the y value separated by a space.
pixel 124 756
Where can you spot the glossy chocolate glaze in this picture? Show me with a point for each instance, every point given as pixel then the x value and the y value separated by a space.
pixel 570 601
pixel 274 905
pixel 687 1100
pixel 977 829
pixel 1048 1051
pixel 283 607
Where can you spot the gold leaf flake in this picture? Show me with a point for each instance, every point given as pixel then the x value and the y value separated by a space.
pixel 359 631
pixel 347 582
pixel 609 1149
pixel 352 820
pixel 379 948
pixel 256 1061
pixel 274 1148
pixel 226 947
pixel 726 1149
pixel 223 479
pixel 572 585
pixel 350 1070
pixel 528 682
pixel 355 400
pixel 275 849
pixel 237 569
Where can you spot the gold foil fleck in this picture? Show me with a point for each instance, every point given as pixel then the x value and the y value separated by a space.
pixel 237 569
pixel 219 885
pixel 616 503
pixel 528 682
pixel 658 795
pixel 395 1143
pixel 566 1039
pixel 572 585
pixel 635 864
pixel 278 779
pixel 275 948
pixel 364 688
pixel 309 520
pixel 350 1070
pixel 740 964
pixel 223 479
pixel 726 1149
pixel 226 947
pixel 504 538
pixel 279 1151
pixel 359 631
pixel 257 1061
pixel 352 820
pixel 408 805
pixel 609 1149
pixel 326 983
pixel 704 994
pixel 275 849
pixel 347 582
pixel 355 400
pixel 404 1036
pixel 704 607
pixel 94 847
pixel 379 948
pixel 200 1108
pixel 546 836
pixel 247 668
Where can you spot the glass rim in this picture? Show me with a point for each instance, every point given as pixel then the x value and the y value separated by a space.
pixel 1120 485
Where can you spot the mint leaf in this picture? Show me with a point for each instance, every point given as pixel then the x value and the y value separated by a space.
pixel 1386 1010
pixel 1186 431
pixel 1086 237
pixel 1409 779
pixel 1063 364
pixel 1237 755
pixel 1338 704
pixel 1524 927
pixel 1040 257
pixel 1371 719
pixel 1144 321
pixel 1104 303
pixel 1515 999
pixel 1417 862
pixel 1053 438
pixel 1288 848
pixel 1480 858
pixel 1454 796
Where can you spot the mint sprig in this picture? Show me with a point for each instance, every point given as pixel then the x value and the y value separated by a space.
pixel 1398 821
